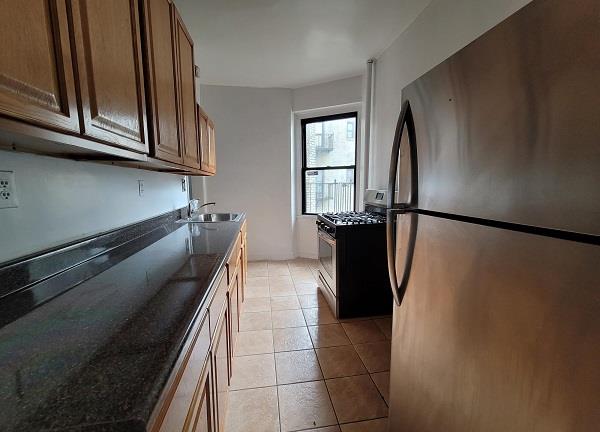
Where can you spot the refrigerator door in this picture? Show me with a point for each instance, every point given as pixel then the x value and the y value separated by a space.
pixel 508 128
pixel 498 331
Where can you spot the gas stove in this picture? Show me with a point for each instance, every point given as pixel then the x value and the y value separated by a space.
pixel 353 273
pixel 354 218
pixel 373 216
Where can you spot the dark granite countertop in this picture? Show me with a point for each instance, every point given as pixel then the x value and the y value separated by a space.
pixel 97 356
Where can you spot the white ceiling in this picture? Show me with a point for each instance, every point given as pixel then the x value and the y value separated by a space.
pixel 291 43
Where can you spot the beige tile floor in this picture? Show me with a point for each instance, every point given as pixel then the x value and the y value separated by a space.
pixel 296 368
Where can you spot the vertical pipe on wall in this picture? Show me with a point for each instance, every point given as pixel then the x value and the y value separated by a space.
pixel 368 107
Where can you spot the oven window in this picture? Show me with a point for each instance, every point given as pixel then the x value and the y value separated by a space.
pixel 326 256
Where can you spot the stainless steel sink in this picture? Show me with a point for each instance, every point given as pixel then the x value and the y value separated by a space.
pixel 213 217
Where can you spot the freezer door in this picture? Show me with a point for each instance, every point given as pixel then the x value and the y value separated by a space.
pixel 498 331
pixel 508 128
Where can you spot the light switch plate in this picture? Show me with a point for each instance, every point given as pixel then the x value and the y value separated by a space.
pixel 8 190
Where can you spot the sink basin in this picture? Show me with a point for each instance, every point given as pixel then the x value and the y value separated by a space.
pixel 213 217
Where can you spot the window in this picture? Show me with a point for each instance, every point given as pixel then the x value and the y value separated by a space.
pixel 329 163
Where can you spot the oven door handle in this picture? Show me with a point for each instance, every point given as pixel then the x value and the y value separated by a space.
pixel 327 238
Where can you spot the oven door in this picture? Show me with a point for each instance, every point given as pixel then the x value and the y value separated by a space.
pixel 327 260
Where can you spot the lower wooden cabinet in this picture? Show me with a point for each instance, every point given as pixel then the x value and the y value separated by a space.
pixel 221 359
pixel 201 418
pixel 234 304
pixel 197 396
pixel 244 264
pixel 178 408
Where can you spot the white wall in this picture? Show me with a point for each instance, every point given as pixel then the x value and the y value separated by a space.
pixel 257 159
pixel 330 94
pixel 440 30
pixel 334 97
pixel 62 200
pixel 254 156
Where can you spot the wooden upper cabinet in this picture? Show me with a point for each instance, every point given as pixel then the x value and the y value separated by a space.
pixel 203 138
pixel 36 71
pixel 110 71
pixel 162 80
pixel 212 158
pixel 187 94
pixel 207 143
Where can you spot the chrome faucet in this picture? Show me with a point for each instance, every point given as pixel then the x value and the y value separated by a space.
pixel 194 206
pixel 207 204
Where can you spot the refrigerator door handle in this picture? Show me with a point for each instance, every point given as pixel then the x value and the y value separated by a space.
pixel 405 119
pixel 399 285
pixel 390 232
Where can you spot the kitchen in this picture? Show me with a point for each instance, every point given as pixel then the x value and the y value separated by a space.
pixel 284 216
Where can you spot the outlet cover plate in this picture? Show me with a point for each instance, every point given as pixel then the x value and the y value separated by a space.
pixel 8 190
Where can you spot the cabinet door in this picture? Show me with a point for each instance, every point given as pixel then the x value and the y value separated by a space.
pixel 179 412
pixel 212 157
pixel 203 139
pixel 108 48
pixel 221 368
pixel 187 94
pixel 203 419
pixel 244 278
pixel 234 302
pixel 36 70
pixel 162 82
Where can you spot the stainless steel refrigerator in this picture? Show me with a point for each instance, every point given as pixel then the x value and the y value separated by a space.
pixel 494 231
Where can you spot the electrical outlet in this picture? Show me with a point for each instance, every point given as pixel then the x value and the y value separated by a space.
pixel 8 190
pixel 183 184
pixel 141 187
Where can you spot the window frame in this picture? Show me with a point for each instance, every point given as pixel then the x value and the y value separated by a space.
pixel 304 168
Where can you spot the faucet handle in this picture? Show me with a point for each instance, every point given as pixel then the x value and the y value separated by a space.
pixel 193 207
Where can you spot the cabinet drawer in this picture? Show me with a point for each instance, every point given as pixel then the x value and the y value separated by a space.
pixel 216 304
pixel 233 259
pixel 185 379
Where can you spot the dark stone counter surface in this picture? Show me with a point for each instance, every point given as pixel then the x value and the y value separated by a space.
pixel 92 347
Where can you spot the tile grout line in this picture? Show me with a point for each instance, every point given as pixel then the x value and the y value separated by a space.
pixel 314 348
pixel 277 391
pixel 365 366
pixel 274 359
pixel 318 361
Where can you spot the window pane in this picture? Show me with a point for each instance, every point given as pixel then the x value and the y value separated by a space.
pixel 329 190
pixel 331 143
